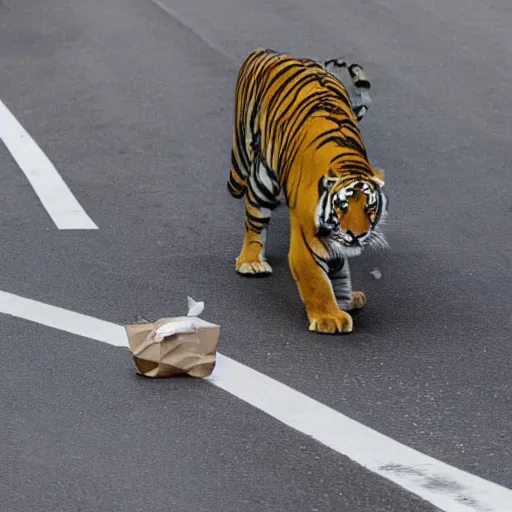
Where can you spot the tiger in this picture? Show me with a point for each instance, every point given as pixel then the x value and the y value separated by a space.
pixel 296 137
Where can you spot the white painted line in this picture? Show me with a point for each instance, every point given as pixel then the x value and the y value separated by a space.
pixel 63 319
pixel 54 194
pixel 446 487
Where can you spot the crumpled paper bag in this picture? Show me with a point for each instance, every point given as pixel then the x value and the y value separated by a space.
pixel 175 345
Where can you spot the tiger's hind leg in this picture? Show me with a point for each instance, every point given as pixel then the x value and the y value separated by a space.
pixel 347 299
pixel 237 181
pixel 252 258
pixel 261 198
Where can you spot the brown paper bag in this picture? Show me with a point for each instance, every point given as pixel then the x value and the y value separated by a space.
pixel 190 351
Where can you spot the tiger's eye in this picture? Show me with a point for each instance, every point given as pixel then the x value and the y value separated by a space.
pixel 343 206
pixel 340 204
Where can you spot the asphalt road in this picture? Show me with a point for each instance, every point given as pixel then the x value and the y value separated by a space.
pixel 134 107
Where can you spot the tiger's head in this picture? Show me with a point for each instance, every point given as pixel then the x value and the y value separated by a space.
pixel 349 213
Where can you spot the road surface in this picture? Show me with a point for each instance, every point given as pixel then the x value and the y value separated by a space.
pixel 132 102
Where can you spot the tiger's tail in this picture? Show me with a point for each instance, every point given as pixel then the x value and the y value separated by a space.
pixel 355 82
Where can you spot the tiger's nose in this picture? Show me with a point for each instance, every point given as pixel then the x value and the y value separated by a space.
pixel 354 239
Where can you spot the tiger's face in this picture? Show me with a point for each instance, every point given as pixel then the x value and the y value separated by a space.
pixel 348 215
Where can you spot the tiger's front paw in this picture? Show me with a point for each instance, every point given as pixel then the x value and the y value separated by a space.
pixel 331 323
pixel 252 268
pixel 357 302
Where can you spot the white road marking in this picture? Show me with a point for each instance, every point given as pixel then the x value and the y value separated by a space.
pixel 446 487
pixel 54 194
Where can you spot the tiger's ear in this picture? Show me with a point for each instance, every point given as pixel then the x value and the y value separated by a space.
pixel 323 185
pixel 378 176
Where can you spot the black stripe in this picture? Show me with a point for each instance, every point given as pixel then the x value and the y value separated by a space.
pixel 256 220
pixel 335 138
pixel 252 227
pixel 268 194
pixel 324 134
pixel 236 194
pixel 316 257
pixel 258 203
pixel 236 168
pixel 340 94
pixel 237 188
